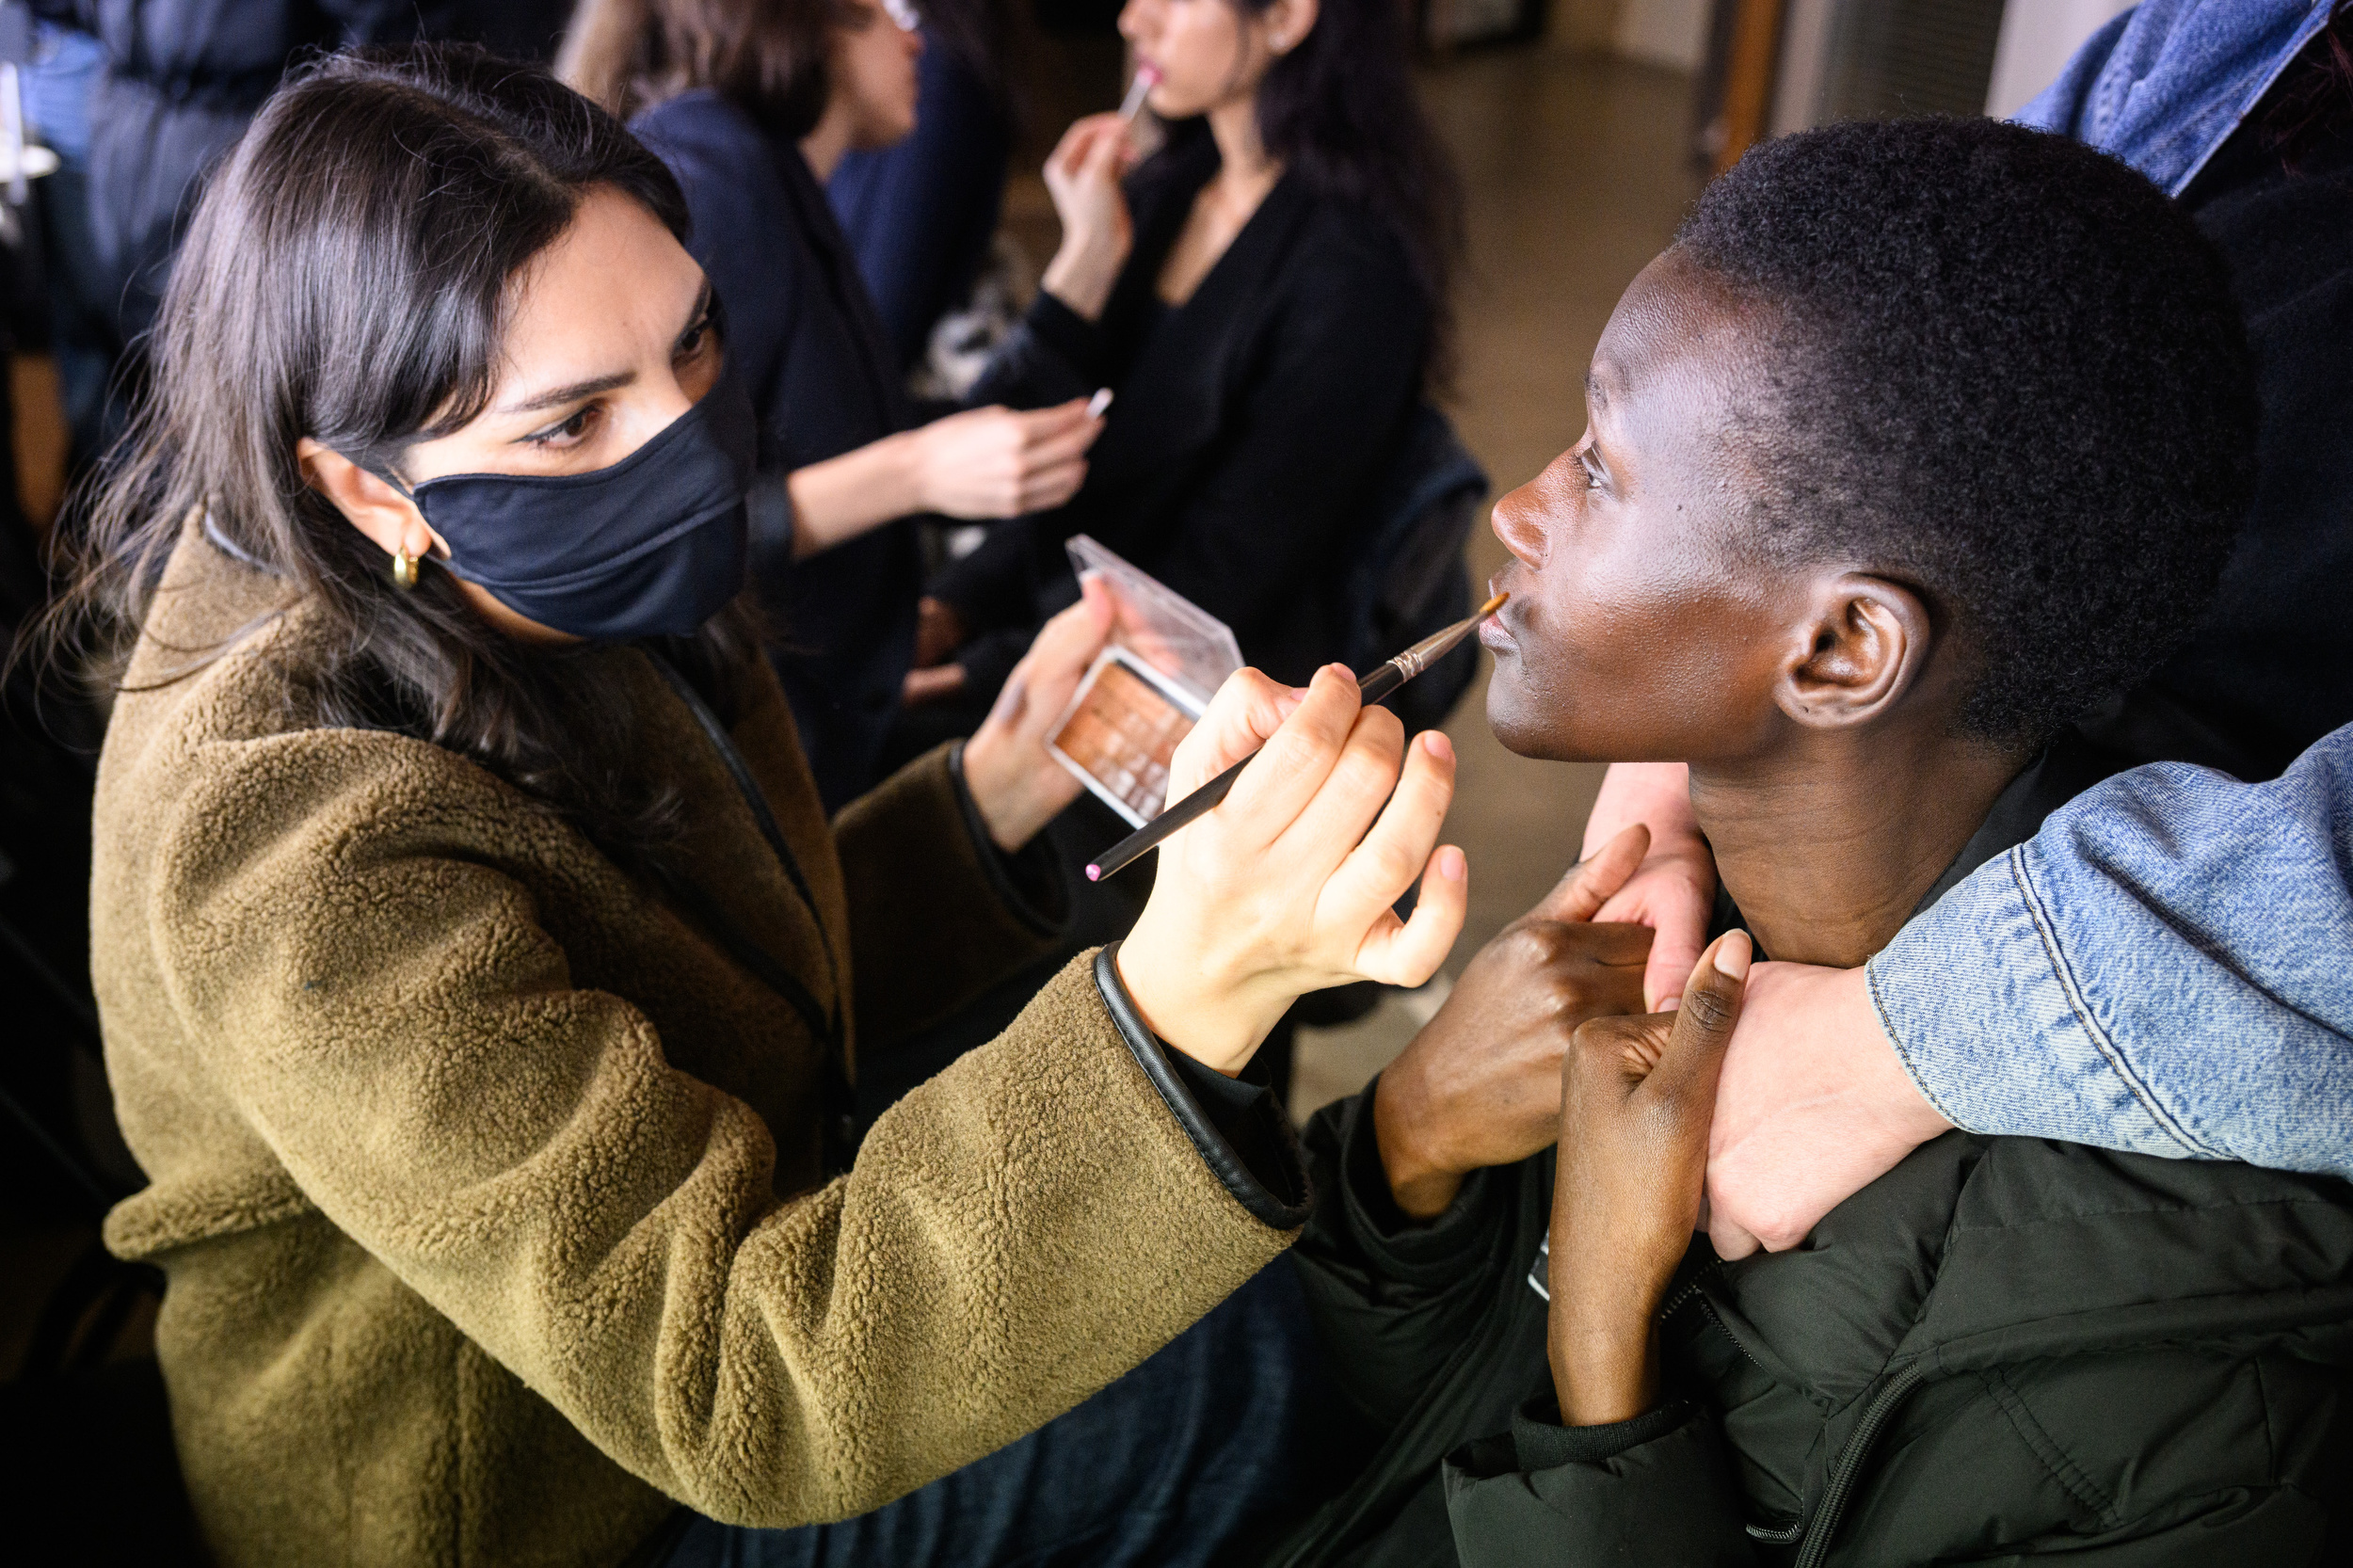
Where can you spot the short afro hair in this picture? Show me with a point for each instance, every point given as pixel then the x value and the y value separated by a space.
pixel 2006 372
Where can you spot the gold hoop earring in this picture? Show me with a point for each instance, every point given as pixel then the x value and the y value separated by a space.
pixel 404 570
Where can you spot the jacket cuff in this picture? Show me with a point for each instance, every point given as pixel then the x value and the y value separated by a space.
pixel 1977 998
pixel 1239 1130
pixel 1541 1442
pixel 1431 1252
pixel 1665 1498
pixel 1031 882
pixel 1065 333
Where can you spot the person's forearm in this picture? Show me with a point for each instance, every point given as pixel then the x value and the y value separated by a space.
pixel 1657 795
pixel 2163 969
pixel 837 500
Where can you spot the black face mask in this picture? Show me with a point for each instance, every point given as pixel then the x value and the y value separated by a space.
pixel 653 546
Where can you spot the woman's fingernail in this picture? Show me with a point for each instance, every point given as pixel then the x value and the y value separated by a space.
pixel 1435 742
pixel 1339 672
pixel 1733 954
pixel 1451 865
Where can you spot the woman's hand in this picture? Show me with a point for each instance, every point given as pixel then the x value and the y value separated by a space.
pixel 1016 784
pixel 995 462
pixel 1286 887
pixel 1082 176
pixel 1815 1105
pixel 1481 1084
pixel 1636 1098
pixel 1673 891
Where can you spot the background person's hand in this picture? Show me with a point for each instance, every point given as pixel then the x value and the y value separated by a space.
pixel 1481 1084
pixel 1673 890
pixel 1814 1106
pixel 1082 176
pixel 996 462
pixel 1015 781
pixel 1286 888
pixel 1636 1098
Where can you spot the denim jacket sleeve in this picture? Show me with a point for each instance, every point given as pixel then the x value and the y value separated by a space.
pixel 2165 967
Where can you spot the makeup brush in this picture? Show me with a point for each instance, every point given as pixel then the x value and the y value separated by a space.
pixel 1146 78
pixel 1371 687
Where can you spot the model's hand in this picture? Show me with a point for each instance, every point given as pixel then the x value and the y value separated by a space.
pixel 997 463
pixel 1635 1097
pixel 1481 1084
pixel 1016 784
pixel 1813 1107
pixel 1286 887
pixel 1673 890
pixel 1082 176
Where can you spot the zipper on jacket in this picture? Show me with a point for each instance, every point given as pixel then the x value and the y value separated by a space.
pixel 1850 1464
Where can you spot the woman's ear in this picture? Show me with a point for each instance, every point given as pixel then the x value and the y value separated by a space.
pixel 370 505
pixel 1288 22
pixel 1866 641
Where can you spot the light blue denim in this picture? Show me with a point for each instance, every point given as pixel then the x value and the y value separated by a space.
pixel 2163 85
pixel 2165 967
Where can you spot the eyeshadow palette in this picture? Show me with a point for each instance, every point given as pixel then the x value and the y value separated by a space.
pixel 1120 731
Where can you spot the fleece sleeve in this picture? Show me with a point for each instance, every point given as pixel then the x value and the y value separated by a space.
pixel 2162 970
pixel 518 1151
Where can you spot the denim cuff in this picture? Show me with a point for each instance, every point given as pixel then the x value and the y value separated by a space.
pixel 1977 998
pixel 1239 1129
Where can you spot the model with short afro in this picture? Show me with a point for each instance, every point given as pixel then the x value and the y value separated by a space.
pixel 2011 374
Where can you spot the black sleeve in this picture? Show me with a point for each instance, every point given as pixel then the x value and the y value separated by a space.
pixel 1051 356
pixel 1299 464
pixel 1394 1300
pixel 1239 1129
pixel 1031 882
pixel 1655 1490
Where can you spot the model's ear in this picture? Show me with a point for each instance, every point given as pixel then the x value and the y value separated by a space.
pixel 1863 644
pixel 371 505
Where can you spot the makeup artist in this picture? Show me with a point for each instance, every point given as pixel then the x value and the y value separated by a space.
pixel 752 103
pixel 1267 293
pixel 479 970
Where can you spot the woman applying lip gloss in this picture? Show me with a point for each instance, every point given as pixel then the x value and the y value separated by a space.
pixel 1266 294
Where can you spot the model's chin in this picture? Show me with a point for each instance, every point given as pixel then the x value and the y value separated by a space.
pixel 1514 720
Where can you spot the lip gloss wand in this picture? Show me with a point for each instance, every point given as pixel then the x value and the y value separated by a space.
pixel 1371 687
pixel 1147 77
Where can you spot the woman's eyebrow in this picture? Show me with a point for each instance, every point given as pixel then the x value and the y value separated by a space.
pixel 572 393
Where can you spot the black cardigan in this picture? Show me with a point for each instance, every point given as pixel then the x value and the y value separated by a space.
pixel 1239 462
pixel 803 334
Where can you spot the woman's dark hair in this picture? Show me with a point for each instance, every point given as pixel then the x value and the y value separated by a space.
pixel 1341 113
pixel 769 57
pixel 348 277
pixel 2004 369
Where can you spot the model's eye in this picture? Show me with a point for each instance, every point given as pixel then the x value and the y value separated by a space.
pixel 697 338
pixel 1584 455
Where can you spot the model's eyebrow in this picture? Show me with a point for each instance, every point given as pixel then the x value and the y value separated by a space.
pixel 558 396
pixel 1596 394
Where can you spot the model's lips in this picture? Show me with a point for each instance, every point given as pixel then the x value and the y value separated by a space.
pixel 1493 632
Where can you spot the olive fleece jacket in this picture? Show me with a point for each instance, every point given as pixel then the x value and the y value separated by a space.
pixel 486 1185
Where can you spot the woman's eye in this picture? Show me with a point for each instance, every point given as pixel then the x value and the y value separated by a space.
pixel 695 339
pixel 569 432
pixel 1585 463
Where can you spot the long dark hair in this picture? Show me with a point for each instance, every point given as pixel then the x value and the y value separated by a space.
pixel 1341 111
pixel 347 276
pixel 771 58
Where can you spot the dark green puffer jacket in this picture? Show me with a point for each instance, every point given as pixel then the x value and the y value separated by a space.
pixel 2005 1348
